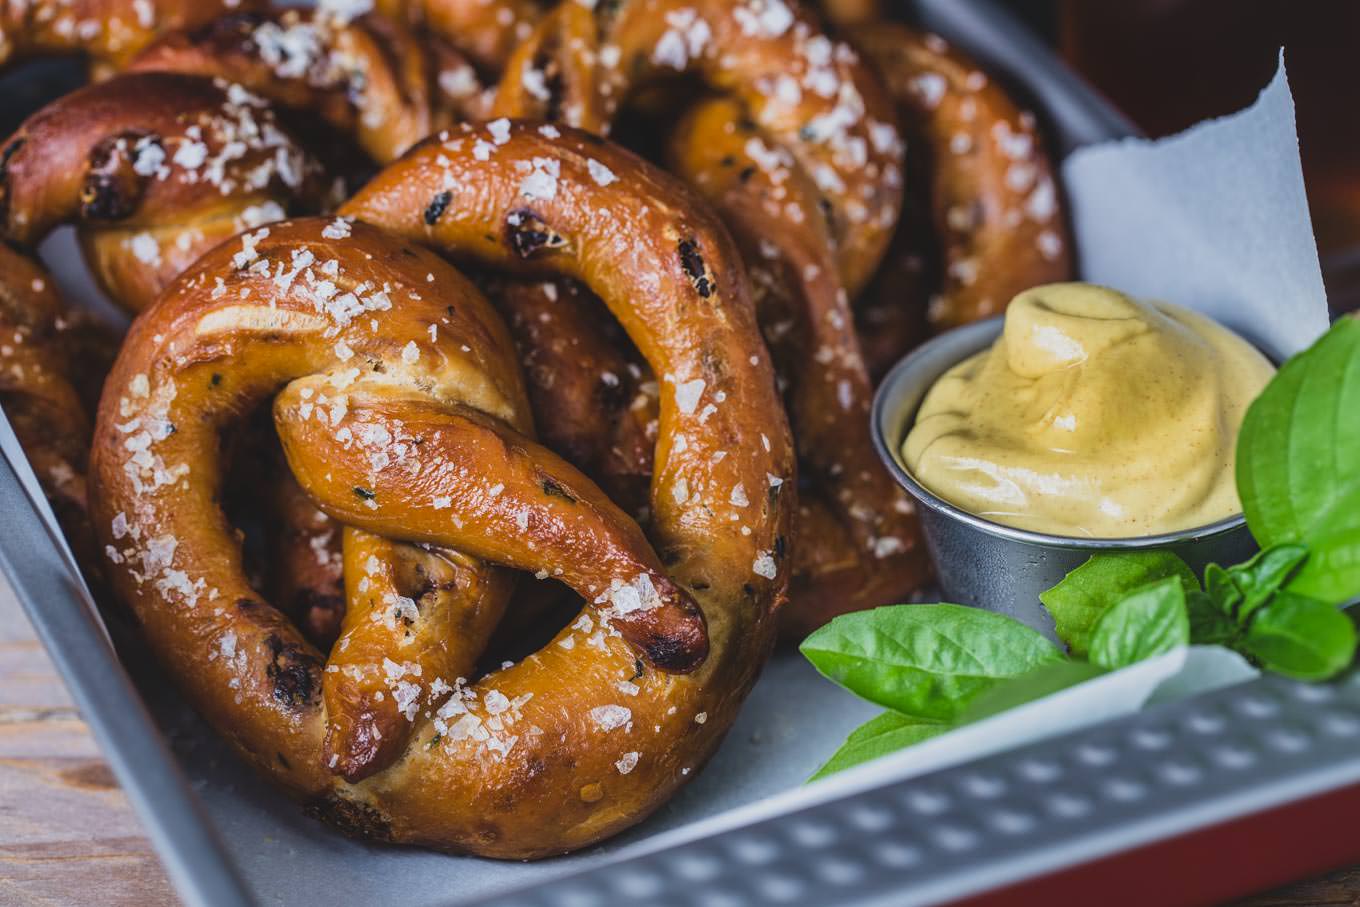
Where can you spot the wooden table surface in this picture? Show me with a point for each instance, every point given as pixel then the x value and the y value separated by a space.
pixel 68 835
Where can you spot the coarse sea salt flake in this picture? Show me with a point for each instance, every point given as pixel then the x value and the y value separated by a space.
pixel 610 717
pixel 601 174
pixel 687 395
pixel 764 565
pixel 500 130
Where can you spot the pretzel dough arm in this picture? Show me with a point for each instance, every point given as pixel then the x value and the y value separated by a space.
pixel 485 30
pixel 416 623
pixel 566 203
pixel 499 496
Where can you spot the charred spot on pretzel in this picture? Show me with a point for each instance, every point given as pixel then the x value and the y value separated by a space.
pixel 554 490
pixel 671 654
pixel 115 177
pixel 695 269
pixel 436 207
pixel 353 818
pixel 293 671
pixel 528 234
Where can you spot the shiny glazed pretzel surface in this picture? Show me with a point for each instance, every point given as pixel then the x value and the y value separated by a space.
pixel 800 153
pixel 398 398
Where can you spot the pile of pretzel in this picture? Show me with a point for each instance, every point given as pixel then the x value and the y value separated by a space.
pixel 439 294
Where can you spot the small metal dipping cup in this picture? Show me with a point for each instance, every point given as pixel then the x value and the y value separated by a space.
pixel 998 567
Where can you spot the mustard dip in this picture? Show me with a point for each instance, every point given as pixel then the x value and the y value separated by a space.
pixel 1093 415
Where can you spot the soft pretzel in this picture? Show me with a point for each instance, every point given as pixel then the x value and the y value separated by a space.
pixel 110 32
pixel 369 77
pixel 848 13
pixel 154 168
pixel 801 156
pixel 484 30
pixel 592 398
pixel 39 397
pixel 858 543
pixel 402 412
pixel 993 203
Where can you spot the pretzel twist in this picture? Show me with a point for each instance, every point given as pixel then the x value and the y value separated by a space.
pixel 849 13
pixel 487 31
pixel 801 156
pixel 992 202
pixel 423 439
pixel 154 169
pixel 110 32
pixel 41 400
pixel 369 77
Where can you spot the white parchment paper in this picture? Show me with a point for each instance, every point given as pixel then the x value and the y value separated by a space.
pixel 1214 218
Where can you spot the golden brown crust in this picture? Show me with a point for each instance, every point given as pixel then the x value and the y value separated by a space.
pixel 369 77
pixel 810 96
pixel 41 402
pixel 485 30
pixel 455 603
pixel 305 574
pixel 858 542
pixel 585 737
pixel 849 13
pixel 592 401
pixel 108 31
pixel 994 204
pixel 155 168
pixel 800 156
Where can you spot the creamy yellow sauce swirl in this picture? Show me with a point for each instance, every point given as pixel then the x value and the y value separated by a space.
pixel 1093 415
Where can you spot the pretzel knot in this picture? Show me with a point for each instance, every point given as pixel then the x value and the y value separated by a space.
pixel 400 405
pixel 800 154
pixel 154 168
pixel 368 76
pixel 109 32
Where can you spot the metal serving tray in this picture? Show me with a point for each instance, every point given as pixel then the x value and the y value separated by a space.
pixel 1188 803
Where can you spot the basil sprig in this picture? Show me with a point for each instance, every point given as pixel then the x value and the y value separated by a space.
pixel 1081 599
pixel 935 667
pixel 925 661
pixel 1298 464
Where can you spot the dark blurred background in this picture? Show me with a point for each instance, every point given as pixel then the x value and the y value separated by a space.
pixel 1170 63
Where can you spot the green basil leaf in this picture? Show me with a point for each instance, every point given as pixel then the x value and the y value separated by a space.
pixel 1301 637
pixel 1297 470
pixel 1035 684
pixel 1078 602
pixel 1222 590
pixel 1209 626
pixel 1262 576
pixel 1332 571
pixel 1150 621
pixel 925 661
pixel 879 736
